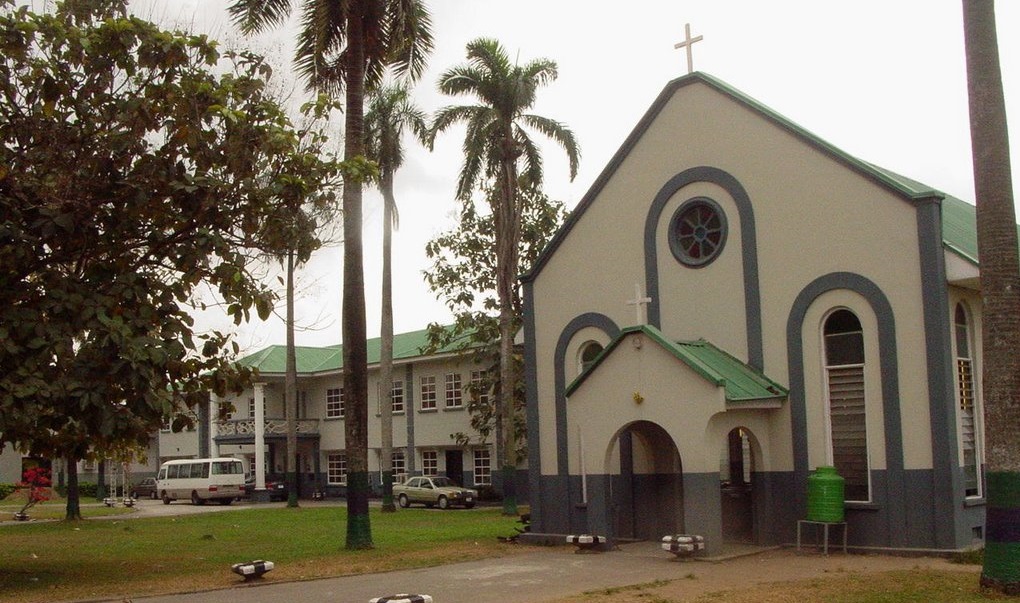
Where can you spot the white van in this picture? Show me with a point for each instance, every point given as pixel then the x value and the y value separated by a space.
pixel 220 479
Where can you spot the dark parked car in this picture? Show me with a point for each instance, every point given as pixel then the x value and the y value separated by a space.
pixel 145 489
pixel 277 489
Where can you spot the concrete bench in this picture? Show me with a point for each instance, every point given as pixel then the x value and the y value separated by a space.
pixel 683 546
pixel 587 542
pixel 402 598
pixel 251 570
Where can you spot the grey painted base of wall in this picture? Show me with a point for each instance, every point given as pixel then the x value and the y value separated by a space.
pixel 778 502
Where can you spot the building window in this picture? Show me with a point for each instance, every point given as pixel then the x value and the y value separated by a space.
pixel 335 403
pixel 454 391
pixel 480 387
pixel 483 467
pixel 336 469
pixel 399 466
pixel 251 408
pixel 589 352
pixel 429 462
pixel 397 397
pixel 428 392
pixel 697 232
pixel 844 371
pixel 970 416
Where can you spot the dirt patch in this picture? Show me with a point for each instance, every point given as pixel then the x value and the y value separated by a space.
pixel 760 572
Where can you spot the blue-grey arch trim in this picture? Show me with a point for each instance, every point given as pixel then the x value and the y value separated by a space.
pixel 748 246
pixel 590 319
pixel 532 414
pixel 895 503
pixel 947 481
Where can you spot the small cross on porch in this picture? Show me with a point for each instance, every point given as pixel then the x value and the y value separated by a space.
pixel 639 302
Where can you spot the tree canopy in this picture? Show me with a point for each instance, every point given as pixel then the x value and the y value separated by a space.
pixel 136 165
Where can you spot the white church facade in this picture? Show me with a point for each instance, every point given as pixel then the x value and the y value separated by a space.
pixel 795 307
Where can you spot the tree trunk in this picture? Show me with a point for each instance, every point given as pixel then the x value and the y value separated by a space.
pixel 355 373
pixel 73 509
pixel 507 226
pixel 1000 291
pixel 290 388
pixel 386 346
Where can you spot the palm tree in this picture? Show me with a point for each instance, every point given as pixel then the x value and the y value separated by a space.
pixel 499 150
pixel 390 111
pixel 348 45
pixel 1000 291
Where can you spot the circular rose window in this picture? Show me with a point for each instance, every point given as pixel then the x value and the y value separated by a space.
pixel 697 232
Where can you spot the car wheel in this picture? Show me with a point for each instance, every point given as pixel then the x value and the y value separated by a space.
pixel 134 495
pixel 403 502
pixel 444 503
pixel 166 498
pixel 195 500
pixel 469 505
pixel 226 501
pixel 154 495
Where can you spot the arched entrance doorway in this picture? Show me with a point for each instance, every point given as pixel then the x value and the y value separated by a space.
pixel 646 483
pixel 736 474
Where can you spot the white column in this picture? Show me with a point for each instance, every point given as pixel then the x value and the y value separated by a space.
pixel 214 425
pixel 260 437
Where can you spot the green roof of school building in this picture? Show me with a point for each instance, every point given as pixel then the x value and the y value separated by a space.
pixel 273 359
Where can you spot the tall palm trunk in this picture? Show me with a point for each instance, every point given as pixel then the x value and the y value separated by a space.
pixel 386 345
pixel 1000 291
pixel 507 223
pixel 290 387
pixel 355 373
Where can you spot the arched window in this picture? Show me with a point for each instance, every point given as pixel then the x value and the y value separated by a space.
pixel 589 352
pixel 966 396
pixel 844 375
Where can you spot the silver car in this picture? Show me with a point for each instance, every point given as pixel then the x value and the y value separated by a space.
pixel 434 491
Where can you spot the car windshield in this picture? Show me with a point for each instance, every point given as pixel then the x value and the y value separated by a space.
pixel 443 482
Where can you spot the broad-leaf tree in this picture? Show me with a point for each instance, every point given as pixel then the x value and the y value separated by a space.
pixel 499 151
pixel 1000 292
pixel 463 275
pixel 346 45
pixel 136 165
pixel 391 112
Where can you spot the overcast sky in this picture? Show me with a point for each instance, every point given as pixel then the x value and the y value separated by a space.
pixel 884 80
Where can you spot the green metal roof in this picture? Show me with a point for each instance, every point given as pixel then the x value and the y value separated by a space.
pixel 959 225
pixel 273 359
pixel 741 382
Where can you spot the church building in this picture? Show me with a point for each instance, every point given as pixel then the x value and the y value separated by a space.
pixel 735 303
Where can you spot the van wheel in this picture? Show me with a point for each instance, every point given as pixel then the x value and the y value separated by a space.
pixel 403 502
pixel 195 500
pixel 444 503
pixel 166 498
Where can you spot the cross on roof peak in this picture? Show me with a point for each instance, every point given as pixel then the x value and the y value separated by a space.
pixel 688 43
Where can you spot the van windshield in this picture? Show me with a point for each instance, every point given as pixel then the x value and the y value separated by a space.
pixel 226 468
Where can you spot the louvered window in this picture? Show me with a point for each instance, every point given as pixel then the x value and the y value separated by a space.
pixel 848 435
pixel 969 417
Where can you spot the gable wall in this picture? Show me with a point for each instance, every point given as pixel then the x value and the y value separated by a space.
pixel 809 216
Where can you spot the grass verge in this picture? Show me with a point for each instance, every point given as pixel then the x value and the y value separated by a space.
pixel 57 509
pixel 132 557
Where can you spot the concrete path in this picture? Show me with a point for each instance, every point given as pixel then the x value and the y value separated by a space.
pixel 548 574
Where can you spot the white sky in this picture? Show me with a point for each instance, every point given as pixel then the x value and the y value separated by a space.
pixel 884 80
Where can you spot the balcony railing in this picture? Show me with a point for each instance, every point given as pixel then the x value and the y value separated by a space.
pixel 246 427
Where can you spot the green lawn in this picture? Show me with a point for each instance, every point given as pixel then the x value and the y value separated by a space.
pixel 57 509
pixel 125 557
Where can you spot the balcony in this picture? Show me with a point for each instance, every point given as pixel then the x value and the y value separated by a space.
pixel 274 427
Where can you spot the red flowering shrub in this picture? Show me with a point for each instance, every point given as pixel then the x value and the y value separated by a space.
pixel 35 486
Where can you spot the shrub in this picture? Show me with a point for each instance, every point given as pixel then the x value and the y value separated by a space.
pixel 6 490
pixel 488 494
pixel 87 490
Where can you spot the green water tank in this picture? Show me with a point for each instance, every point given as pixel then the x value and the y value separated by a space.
pixel 825 495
